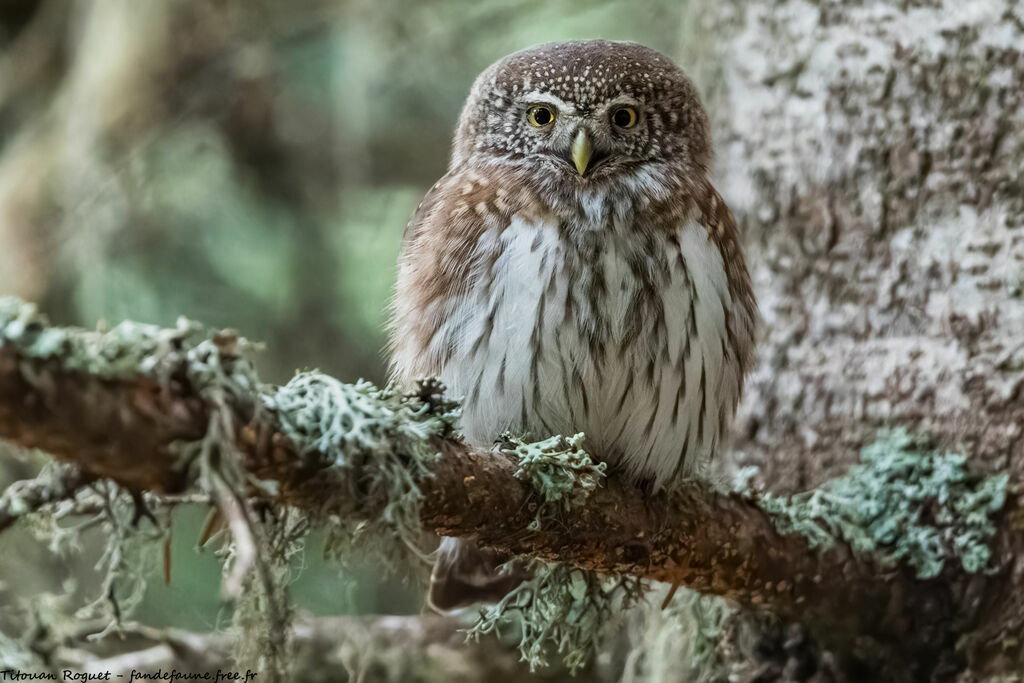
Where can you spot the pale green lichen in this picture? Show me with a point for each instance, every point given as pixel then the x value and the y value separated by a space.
pixel 15 654
pixel 129 349
pixel 130 556
pixel 382 441
pixel 384 438
pixel 264 613
pixel 563 609
pixel 903 504
pixel 379 439
pixel 558 469
pixel 558 607
pixel 682 641
pixel 215 368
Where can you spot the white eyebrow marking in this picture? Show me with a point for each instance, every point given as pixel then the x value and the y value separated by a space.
pixel 624 100
pixel 537 97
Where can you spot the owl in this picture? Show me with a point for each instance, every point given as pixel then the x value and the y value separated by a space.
pixel 575 271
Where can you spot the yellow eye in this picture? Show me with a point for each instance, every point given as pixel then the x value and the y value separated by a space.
pixel 624 117
pixel 540 116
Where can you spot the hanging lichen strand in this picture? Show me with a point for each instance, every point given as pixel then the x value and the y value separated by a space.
pixel 558 607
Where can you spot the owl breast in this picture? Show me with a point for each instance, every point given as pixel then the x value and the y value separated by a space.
pixel 616 333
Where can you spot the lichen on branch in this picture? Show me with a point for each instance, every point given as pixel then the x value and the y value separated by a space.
pixel 164 410
pixel 381 438
pixel 902 504
pixel 214 359
pixel 557 469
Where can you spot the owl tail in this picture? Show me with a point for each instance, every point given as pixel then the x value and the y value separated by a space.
pixel 464 574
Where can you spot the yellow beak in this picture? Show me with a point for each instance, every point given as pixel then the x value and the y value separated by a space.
pixel 581 150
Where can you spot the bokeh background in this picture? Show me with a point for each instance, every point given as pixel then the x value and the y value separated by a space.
pixel 249 164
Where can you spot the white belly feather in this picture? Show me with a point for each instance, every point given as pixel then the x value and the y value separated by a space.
pixel 538 355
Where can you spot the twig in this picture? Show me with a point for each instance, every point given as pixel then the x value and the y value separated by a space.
pixel 53 485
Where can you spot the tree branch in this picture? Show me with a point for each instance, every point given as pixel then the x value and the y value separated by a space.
pixel 122 421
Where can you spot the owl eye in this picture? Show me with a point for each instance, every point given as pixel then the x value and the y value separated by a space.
pixel 624 117
pixel 540 116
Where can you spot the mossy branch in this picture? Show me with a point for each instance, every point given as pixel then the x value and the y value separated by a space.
pixel 136 405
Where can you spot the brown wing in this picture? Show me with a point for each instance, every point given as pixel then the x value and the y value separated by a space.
pixel 743 318
pixel 441 254
pixel 423 209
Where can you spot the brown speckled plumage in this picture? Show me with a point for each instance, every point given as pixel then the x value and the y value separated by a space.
pixel 612 299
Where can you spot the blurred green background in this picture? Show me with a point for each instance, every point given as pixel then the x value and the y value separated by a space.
pixel 249 164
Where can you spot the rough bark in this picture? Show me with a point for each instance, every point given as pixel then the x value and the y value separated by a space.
pixel 873 153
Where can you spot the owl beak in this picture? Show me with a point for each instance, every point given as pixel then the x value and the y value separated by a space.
pixel 581 151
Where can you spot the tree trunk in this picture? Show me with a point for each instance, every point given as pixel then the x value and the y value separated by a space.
pixel 873 153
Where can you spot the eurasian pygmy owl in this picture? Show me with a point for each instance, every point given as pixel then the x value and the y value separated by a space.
pixel 574 270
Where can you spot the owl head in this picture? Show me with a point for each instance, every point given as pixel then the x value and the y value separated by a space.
pixel 586 113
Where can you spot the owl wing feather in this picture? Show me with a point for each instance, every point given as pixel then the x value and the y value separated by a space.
pixel 743 317
pixel 425 275
pixel 442 257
